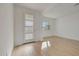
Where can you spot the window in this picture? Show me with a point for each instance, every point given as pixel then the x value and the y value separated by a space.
pixel 45 25
pixel 28 27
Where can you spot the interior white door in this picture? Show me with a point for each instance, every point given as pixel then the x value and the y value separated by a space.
pixel 28 28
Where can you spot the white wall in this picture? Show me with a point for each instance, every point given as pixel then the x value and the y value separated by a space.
pixel 68 26
pixel 18 26
pixel 52 30
pixel 6 29
pixel 19 12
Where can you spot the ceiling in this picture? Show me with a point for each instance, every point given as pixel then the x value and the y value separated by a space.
pixel 53 10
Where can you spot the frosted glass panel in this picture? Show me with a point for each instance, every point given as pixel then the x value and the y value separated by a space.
pixel 28 23
pixel 28 17
pixel 28 30
pixel 28 36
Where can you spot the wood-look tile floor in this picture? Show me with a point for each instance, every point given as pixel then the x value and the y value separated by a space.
pixel 58 47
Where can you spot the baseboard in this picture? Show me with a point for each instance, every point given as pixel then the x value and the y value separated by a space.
pixel 61 37
pixel 28 43
pixel 48 37
pixel 31 42
pixel 71 38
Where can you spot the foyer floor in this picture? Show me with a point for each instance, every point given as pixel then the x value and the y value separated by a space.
pixel 52 46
